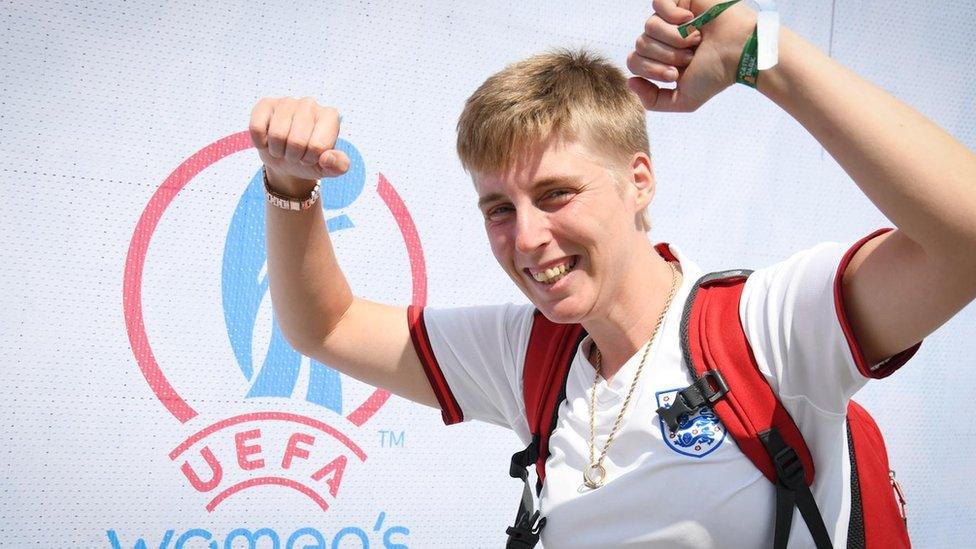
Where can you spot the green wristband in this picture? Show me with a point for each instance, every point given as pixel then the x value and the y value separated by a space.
pixel 703 19
pixel 748 71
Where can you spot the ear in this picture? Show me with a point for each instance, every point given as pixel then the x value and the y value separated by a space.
pixel 642 178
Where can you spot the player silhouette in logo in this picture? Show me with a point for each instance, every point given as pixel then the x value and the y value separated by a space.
pixel 244 287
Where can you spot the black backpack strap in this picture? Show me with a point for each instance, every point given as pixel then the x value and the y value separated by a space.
pixel 528 524
pixel 792 491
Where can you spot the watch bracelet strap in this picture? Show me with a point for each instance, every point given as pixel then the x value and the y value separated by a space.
pixel 748 70
pixel 288 202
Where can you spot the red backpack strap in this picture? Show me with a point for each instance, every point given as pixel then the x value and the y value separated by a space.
pixel 727 378
pixel 548 357
pixel 547 360
pixel 877 502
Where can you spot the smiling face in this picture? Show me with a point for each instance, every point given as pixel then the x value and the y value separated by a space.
pixel 564 228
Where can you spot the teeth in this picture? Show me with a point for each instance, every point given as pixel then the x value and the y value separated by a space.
pixel 550 276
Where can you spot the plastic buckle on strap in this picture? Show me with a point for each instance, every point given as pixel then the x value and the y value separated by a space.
pixel 688 400
pixel 671 414
pixel 521 461
pixel 525 535
pixel 789 468
pixel 518 468
pixel 792 491
pixel 721 387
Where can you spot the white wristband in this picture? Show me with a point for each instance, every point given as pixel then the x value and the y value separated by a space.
pixel 767 33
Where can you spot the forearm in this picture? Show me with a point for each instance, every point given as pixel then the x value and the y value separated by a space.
pixel 309 292
pixel 921 178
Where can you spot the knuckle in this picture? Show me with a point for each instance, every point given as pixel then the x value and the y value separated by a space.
pixel 650 26
pixel 315 148
pixel 651 70
pixel 645 68
pixel 631 62
pixel 657 27
pixel 307 104
pixel 258 105
pixel 277 136
pixel 296 143
pixel 331 113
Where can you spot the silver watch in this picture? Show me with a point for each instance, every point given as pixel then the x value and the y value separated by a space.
pixel 287 202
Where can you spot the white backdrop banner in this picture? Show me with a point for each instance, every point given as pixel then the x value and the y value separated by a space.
pixel 147 398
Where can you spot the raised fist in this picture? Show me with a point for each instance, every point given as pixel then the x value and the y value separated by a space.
pixel 296 140
pixel 701 64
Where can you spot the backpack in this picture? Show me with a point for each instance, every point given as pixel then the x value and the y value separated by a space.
pixel 728 380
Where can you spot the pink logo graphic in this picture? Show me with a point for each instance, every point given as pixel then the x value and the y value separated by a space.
pixel 234 453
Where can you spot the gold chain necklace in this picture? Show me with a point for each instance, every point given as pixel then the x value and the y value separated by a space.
pixel 595 474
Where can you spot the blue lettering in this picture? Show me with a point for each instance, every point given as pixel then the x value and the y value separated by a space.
pixel 388 439
pixel 397 440
pixel 113 538
pixel 351 530
pixel 252 539
pixel 195 533
pixel 303 538
pixel 388 543
pixel 320 541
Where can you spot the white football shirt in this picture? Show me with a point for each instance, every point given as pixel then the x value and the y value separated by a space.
pixel 694 488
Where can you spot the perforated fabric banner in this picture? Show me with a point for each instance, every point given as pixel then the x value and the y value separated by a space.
pixel 148 400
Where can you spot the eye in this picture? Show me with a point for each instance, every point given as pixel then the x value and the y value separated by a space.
pixel 498 212
pixel 557 195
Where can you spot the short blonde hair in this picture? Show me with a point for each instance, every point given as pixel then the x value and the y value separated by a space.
pixel 565 93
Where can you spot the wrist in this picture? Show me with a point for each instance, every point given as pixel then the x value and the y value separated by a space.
pixel 290 202
pixel 777 83
pixel 740 24
pixel 287 185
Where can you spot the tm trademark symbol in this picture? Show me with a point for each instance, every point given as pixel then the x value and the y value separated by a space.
pixel 390 438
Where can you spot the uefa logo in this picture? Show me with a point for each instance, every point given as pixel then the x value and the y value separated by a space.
pixel 259 414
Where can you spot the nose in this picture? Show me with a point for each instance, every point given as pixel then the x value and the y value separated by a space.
pixel 531 229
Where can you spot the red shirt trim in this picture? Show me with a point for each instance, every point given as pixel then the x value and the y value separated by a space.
pixel 450 410
pixel 886 367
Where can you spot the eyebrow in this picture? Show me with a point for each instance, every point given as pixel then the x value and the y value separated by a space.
pixel 544 182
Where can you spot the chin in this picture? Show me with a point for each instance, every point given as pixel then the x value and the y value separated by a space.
pixel 568 310
pixel 562 312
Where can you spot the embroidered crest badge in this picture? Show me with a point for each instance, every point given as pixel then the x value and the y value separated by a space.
pixel 697 435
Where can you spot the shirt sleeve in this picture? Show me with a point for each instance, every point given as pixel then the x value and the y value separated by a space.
pixel 794 318
pixel 473 359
